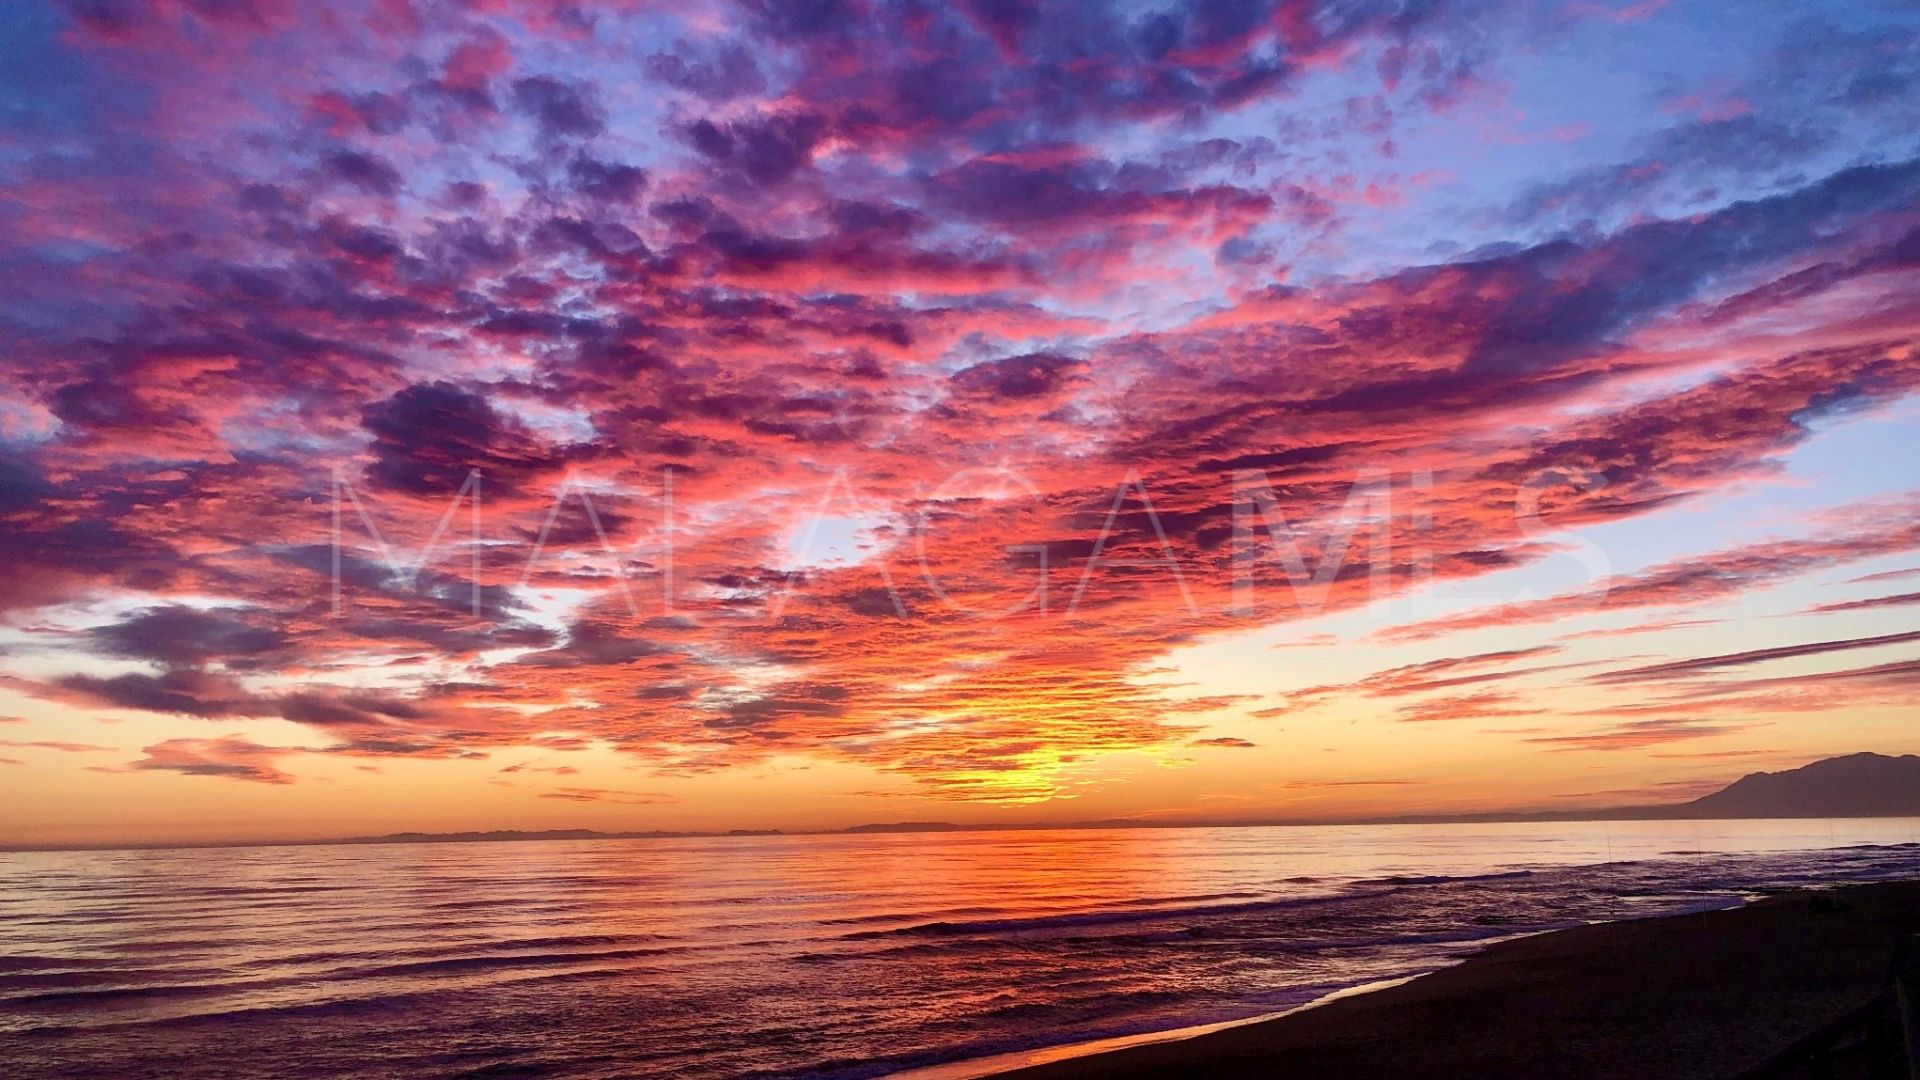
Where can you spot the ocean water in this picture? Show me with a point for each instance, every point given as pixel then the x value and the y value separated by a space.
pixel 819 956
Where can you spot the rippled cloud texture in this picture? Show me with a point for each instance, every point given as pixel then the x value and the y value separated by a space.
pixel 970 406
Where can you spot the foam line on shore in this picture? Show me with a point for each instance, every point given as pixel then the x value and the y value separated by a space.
pixel 995 1064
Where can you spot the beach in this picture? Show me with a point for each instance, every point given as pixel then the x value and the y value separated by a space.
pixel 1704 994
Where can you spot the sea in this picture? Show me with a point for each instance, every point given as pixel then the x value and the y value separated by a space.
pixel 933 955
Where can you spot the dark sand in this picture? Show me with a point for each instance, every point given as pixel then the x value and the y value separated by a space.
pixel 1706 995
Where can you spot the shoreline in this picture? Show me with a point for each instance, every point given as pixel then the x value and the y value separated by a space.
pixel 1013 1060
pixel 1751 981
pixel 1000 1064
pixel 1004 1062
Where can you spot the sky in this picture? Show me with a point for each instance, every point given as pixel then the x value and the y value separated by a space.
pixel 484 414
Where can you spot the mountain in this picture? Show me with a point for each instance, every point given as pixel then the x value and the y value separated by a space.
pixel 1854 786
pixel 1858 785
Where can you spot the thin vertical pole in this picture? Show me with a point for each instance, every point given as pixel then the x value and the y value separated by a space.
pixel 1906 977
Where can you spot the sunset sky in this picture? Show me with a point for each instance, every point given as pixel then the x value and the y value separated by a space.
pixel 990 412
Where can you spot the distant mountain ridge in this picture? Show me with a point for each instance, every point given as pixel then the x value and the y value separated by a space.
pixel 1861 785
pixel 1858 785
pixel 1864 785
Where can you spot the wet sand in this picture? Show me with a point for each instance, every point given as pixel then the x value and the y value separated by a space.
pixel 1713 994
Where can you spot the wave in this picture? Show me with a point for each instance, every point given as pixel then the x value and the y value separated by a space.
pixel 238 1018
pixel 30 980
pixel 124 994
pixel 1122 912
pixel 1445 879
pixel 52 963
pixel 946 914
pixel 898 916
pixel 1105 917
pixel 488 963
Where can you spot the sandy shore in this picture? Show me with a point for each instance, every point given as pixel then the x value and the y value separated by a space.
pixel 1705 995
